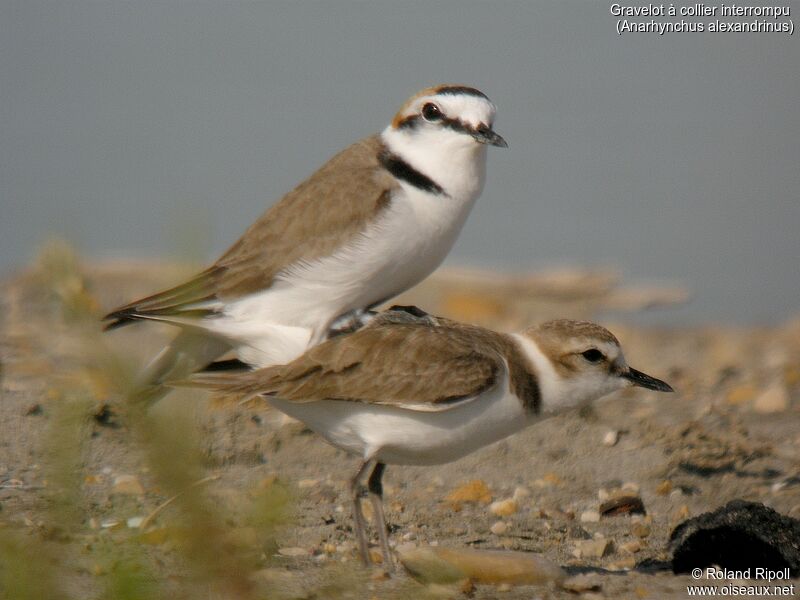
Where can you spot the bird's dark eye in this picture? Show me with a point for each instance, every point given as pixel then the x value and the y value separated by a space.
pixel 593 355
pixel 431 112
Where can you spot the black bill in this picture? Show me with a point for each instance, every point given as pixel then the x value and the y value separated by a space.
pixel 486 135
pixel 645 381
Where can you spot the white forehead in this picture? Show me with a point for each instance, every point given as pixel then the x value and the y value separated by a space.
pixel 472 109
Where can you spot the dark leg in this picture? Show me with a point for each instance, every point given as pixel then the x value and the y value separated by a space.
pixel 375 488
pixel 358 515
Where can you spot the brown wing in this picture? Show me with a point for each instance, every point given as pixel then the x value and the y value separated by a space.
pixel 418 366
pixel 311 221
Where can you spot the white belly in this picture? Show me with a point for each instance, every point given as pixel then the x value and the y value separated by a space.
pixel 408 437
pixel 396 252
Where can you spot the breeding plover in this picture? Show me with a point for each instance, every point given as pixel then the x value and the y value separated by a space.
pixel 375 220
pixel 411 390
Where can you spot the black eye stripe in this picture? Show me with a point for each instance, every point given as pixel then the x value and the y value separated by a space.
pixel 457 125
pixel 413 121
pixel 409 122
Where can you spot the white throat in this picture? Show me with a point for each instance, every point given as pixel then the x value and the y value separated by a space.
pixel 452 160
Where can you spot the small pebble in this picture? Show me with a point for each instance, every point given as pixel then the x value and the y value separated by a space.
pixel 329 548
pixel 664 488
pixel 499 528
pixel 504 508
pixel 135 522
pixel 521 493
pixel 590 516
pixel 475 491
pixel 772 400
pixel 640 530
pixel 631 547
pixel 611 438
pixel 128 485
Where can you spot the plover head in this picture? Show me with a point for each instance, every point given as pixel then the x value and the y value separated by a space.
pixel 581 362
pixel 450 115
pixel 443 132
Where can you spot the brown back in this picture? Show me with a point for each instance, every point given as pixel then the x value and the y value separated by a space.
pixel 426 365
pixel 328 209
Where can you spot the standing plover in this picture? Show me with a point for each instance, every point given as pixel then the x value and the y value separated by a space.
pixel 375 220
pixel 413 390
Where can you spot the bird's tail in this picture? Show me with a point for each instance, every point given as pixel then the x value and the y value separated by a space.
pixel 190 351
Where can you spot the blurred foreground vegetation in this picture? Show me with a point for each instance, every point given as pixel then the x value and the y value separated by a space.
pixel 88 391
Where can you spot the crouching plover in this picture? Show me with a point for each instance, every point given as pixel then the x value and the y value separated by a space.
pixel 414 390
pixel 375 220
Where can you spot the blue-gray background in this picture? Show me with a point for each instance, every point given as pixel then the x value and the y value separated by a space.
pixel 141 128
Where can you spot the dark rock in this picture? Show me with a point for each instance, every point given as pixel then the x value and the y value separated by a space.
pixel 738 536
pixel 576 532
pixel 34 410
pixel 104 416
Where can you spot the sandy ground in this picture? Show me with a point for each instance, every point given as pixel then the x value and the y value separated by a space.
pixel 731 431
